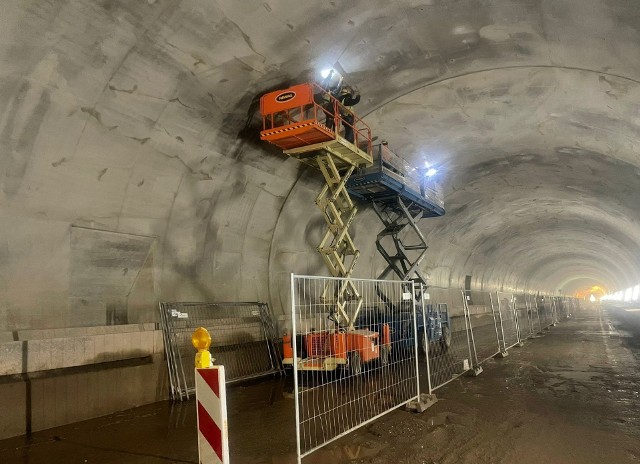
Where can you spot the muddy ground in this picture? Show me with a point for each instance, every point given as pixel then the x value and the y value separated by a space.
pixel 570 396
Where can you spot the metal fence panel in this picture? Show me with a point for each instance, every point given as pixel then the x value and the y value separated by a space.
pixel 508 321
pixel 244 340
pixel 544 309
pixel 448 351
pixel 522 317
pixel 536 324
pixel 355 354
pixel 484 322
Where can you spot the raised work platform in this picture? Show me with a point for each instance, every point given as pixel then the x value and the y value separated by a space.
pixel 382 185
pixel 345 154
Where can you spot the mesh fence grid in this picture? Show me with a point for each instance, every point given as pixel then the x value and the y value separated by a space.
pixel 508 321
pixel 561 308
pixel 243 340
pixel 555 301
pixel 544 308
pixel 484 325
pixel 522 316
pixel 447 336
pixel 355 357
pixel 536 324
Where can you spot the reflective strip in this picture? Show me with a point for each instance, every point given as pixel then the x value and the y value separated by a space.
pixel 278 131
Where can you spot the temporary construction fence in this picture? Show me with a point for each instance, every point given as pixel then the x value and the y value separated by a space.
pixel 544 310
pixel 355 345
pixel 508 322
pixel 244 340
pixel 446 333
pixel 536 323
pixel 354 354
pixel 484 322
pixel 554 310
pixel 523 317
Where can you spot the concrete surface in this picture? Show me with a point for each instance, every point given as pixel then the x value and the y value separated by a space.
pixel 131 171
pixel 570 397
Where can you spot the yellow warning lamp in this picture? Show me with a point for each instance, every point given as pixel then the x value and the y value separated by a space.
pixel 201 341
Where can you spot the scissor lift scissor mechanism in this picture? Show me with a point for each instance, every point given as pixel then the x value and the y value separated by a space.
pixel 400 199
pixel 291 121
pixel 404 259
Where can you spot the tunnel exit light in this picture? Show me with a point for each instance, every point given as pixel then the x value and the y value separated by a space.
pixel 636 293
pixel 627 294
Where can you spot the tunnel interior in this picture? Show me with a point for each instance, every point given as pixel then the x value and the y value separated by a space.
pixel 131 169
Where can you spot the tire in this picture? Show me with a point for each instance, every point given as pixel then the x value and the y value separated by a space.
pixel 355 363
pixel 446 337
pixel 385 355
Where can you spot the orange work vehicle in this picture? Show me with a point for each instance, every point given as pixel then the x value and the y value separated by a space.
pixel 327 350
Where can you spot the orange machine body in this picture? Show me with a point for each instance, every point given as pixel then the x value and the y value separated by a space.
pixel 335 346
pixel 296 117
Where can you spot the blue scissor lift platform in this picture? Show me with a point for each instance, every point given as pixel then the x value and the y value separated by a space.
pixel 400 195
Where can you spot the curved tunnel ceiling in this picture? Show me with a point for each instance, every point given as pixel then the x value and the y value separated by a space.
pixel 140 117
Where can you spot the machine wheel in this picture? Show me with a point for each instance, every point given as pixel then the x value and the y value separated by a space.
pixel 385 355
pixel 446 337
pixel 355 363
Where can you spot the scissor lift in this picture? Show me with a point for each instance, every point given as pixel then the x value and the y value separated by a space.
pixel 305 121
pixel 401 196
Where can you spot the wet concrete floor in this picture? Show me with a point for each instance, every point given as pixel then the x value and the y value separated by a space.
pixel 570 396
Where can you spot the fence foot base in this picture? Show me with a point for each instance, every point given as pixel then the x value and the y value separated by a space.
pixel 502 354
pixel 519 344
pixel 422 404
pixel 475 371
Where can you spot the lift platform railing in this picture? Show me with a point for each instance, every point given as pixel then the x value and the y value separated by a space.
pixel 413 177
pixel 390 175
pixel 306 114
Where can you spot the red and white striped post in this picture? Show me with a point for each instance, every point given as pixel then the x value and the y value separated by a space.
pixel 211 403
pixel 211 398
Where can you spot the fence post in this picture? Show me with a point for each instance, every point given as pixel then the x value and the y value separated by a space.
pixel 476 368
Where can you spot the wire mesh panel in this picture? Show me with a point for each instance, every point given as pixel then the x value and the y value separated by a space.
pixel 534 315
pixel 243 340
pixel 484 325
pixel 554 309
pixel 544 309
pixel 447 340
pixel 522 317
pixel 508 321
pixel 354 353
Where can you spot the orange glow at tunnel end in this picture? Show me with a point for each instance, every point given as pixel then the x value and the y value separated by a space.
pixel 597 291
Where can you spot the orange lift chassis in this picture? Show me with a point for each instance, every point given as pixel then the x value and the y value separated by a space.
pixel 305 121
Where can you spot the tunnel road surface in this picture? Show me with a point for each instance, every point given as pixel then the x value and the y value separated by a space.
pixel 570 396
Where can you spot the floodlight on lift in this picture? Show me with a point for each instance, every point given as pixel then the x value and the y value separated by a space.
pixel 326 73
pixel 431 172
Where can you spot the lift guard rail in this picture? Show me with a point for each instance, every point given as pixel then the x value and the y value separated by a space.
pixel 307 114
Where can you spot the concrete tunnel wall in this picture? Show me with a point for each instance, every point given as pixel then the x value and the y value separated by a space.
pixel 137 122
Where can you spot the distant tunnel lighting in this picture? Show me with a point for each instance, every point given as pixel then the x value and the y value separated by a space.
pixel 627 294
pixel 636 293
pixel 431 172
pixel 325 73
pixel 592 299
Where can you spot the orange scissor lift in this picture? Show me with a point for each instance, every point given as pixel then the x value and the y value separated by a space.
pixel 305 122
